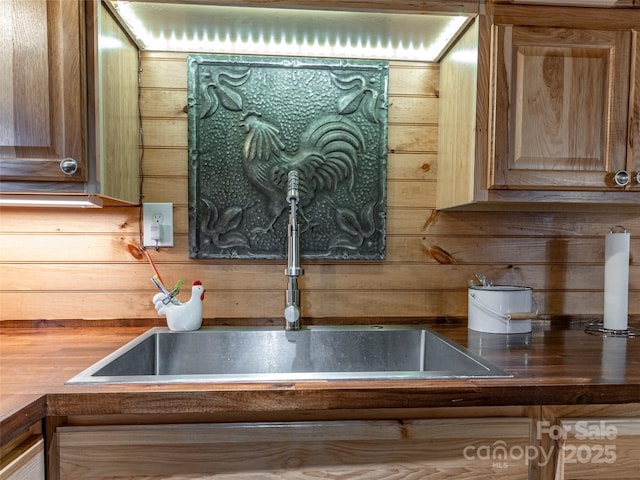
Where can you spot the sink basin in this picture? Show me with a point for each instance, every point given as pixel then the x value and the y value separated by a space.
pixel 236 354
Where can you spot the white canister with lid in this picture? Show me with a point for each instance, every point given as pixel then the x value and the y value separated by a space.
pixel 500 308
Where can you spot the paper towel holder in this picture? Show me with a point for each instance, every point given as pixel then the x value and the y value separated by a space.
pixel 597 327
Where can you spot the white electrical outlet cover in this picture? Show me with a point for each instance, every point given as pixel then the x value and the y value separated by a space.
pixel 158 213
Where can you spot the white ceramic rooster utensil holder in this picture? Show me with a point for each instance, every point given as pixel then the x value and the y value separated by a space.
pixel 182 317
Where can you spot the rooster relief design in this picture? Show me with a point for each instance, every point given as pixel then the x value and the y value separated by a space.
pixel 252 120
pixel 327 156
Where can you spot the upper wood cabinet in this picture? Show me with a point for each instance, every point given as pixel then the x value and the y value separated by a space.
pixel 69 97
pixel 540 105
pixel 114 121
pixel 634 109
pixel 561 107
pixel 42 84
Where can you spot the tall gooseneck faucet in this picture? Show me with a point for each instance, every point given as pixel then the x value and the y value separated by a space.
pixel 293 270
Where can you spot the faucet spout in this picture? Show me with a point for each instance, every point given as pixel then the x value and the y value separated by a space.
pixel 293 270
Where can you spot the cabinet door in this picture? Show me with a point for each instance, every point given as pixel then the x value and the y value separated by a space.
pixel 41 85
pixel 477 448
pixel 634 117
pixel 598 448
pixel 26 462
pixel 561 107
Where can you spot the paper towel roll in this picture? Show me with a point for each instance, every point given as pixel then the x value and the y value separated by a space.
pixel 614 359
pixel 616 280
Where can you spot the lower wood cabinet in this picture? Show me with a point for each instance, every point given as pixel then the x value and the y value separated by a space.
pixel 590 441
pixel 24 461
pixel 560 442
pixel 469 448
pixel 597 448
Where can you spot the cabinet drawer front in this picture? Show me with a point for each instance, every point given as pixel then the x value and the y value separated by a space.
pixel 449 448
pixel 598 448
pixel 26 462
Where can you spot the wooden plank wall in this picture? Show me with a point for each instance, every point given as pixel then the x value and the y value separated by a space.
pixel 67 264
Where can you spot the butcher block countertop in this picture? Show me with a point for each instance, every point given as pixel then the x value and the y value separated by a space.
pixel 554 365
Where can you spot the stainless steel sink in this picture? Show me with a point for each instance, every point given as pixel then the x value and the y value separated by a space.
pixel 236 354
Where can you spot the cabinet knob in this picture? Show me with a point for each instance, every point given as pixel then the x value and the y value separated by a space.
pixel 622 178
pixel 69 166
pixel 637 177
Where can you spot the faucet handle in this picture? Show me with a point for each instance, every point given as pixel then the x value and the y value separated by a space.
pixel 292 316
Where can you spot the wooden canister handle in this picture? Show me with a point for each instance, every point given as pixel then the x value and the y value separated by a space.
pixel 521 315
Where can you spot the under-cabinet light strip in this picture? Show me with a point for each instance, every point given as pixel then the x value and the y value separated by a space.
pixel 289 42
pixel 26 200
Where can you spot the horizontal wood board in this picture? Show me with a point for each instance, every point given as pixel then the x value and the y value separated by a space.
pixel 86 265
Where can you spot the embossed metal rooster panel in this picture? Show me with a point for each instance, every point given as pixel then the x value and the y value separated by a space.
pixel 254 119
